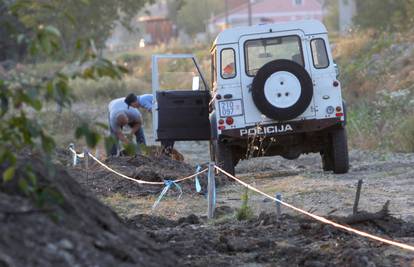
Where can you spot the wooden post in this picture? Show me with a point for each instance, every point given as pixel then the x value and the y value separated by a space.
pixel 357 195
pixel 97 153
pixel 74 157
pixel 86 157
pixel 211 190
pixel 278 206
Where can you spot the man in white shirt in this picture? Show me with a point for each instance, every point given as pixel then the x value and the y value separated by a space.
pixel 120 115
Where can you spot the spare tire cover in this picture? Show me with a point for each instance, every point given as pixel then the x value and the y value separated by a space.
pixel 282 90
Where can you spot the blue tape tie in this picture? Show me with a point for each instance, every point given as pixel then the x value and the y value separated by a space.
pixel 197 181
pixel 168 184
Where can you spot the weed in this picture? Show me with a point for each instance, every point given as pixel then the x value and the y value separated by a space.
pixel 245 212
pixel 404 136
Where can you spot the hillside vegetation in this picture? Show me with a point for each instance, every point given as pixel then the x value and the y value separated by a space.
pixel 377 72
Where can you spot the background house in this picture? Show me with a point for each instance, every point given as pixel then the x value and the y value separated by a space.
pixel 155 25
pixel 267 11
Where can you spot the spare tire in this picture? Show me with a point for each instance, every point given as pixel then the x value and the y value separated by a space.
pixel 282 90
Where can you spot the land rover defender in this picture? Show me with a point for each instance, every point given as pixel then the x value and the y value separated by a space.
pixel 274 91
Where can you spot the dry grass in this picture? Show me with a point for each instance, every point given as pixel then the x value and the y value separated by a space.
pixel 351 45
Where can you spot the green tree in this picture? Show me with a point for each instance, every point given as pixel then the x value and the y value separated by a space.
pixel 23 95
pixel 10 25
pixel 89 19
pixel 331 18
pixel 194 14
pixel 385 14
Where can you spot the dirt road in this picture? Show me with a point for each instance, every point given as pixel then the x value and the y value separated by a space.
pixel 386 176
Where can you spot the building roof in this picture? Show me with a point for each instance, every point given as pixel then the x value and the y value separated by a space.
pixel 233 35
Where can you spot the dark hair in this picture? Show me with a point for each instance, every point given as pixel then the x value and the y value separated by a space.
pixel 131 98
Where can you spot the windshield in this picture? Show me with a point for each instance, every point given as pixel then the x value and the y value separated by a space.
pixel 259 52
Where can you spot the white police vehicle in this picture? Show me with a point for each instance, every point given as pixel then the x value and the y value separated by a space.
pixel 274 91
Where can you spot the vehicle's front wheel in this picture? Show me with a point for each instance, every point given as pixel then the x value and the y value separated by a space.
pixel 223 156
pixel 340 155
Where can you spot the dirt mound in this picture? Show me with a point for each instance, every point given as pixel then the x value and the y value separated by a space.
pixel 292 241
pixel 148 168
pixel 78 232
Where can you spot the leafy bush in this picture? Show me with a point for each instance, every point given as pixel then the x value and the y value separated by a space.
pixel 384 123
pixel 385 14
pixel 403 138
pixel 23 95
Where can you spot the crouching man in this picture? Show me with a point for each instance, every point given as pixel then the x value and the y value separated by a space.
pixel 120 115
pixel 145 102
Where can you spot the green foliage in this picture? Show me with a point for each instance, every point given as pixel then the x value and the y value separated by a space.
pixel 331 19
pixel 22 97
pixel 404 136
pixel 10 25
pixel 194 14
pixel 245 212
pixel 386 123
pixel 385 14
pixel 9 174
pixel 78 19
pixel 92 137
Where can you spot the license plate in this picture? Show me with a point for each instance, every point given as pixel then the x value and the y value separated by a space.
pixel 230 108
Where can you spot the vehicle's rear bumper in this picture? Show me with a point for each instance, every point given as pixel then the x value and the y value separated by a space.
pixel 285 128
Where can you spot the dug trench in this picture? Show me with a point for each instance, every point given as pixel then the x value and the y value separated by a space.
pixel 80 231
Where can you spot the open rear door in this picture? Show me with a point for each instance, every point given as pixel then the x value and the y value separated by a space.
pixel 180 114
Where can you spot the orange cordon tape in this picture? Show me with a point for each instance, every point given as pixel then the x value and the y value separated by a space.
pixel 322 219
pixel 142 181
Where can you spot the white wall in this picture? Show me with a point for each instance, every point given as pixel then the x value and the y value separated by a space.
pixel 347 10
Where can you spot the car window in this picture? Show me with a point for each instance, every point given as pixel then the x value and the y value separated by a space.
pixel 259 52
pixel 228 63
pixel 319 54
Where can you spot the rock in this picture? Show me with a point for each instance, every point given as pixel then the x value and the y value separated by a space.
pixel 65 244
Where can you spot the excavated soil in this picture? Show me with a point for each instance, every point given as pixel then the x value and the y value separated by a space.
pixel 266 241
pixel 154 169
pixel 73 229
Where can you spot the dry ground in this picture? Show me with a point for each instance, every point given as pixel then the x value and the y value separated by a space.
pixel 386 176
pixel 263 241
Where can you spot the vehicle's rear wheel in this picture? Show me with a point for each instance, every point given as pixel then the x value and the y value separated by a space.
pixel 327 162
pixel 223 156
pixel 340 155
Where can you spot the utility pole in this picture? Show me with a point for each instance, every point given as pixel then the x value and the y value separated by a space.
pixel 249 12
pixel 226 10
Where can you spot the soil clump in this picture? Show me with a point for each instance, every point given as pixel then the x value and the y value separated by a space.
pixel 151 168
pixel 71 228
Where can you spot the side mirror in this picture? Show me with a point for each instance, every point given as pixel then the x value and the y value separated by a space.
pixel 196 83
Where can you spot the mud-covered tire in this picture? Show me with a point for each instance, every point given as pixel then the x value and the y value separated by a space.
pixel 340 157
pixel 299 75
pixel 223 156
